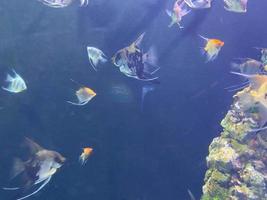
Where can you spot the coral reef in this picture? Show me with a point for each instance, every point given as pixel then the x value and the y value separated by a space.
pixel 237 160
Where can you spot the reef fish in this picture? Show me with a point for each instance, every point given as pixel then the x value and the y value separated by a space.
pixel 212 48
pixel 38 169
pixel 16 83
pixel 198 4
pixel 95 56
pixel 180 9
pixel 248 66
pixel 239 6
pixel 85 154
pixel 84 95
pixel 133 63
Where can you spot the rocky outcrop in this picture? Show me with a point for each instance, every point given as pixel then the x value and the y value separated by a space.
pixel 237 160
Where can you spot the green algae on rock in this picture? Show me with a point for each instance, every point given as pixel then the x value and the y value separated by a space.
pixel 237 160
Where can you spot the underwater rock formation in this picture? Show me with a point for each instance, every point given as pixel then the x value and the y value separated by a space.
pixel 237 160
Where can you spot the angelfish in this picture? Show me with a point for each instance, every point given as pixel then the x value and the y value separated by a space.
pixel 134 63
pixel 95 56
pixel 62 3
pixel 212 48
pixel 16 84
pixel 38 169
pixel 238 6
pixel 84 95
pixel 87 151
pixel 180 9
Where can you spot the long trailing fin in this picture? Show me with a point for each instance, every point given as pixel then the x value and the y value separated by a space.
pixel 11 188
pixel 192 197
pixel 78 104
pixel 92 64
pixel 36 191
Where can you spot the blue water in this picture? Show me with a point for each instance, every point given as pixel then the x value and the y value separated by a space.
pixel 152 154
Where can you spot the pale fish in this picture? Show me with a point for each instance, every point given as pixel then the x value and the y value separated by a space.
pixel 248 66
pixel 95 56
pixel 239 6
pixel 38 169
pixel 198 4
pixel 15 83
pixel 180 9
pixel 62 3
pixel 84 95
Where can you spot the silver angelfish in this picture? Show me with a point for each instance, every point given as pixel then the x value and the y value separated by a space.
pixel 16 84
pixel 62 3
pixel 96 56
pixel 238 6
pixel 38 169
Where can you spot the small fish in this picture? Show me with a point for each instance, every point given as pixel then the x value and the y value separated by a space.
pixel 62 3
pixel 38 169
pixel 239 6
pixel 133 63
pixel 15 83
pixel 248 66
pixel 212 48
pixel 84 95
pixel 95 56
pixel 85 154
pixel 180 9
pixel 198 4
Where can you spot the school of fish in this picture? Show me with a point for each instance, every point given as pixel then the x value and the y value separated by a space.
pixel 133 62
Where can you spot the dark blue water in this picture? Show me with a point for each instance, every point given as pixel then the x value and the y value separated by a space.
pixel 154 154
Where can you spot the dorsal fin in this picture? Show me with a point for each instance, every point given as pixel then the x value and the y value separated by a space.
pixel 138 41
pixel 33 146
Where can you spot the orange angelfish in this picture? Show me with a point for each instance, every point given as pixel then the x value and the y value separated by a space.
pixel 212 48
pixel 84 95
pixel 85 154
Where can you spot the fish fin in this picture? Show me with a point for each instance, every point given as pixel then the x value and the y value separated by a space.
pixel 150 56
pixel 103 59
pixel 186 11
pixel 189 3
pixel 36 191
pixel 171 24
pixel 169 13
pixel 11 189
pixel 259 129
pixel 192 197
pixel 92 64
pixel 7 89
pixel 18 168
pixel 9 78
pixel 78 104
pixel 139 40
pixel 204 38
pixel 146 79
pixel 33 146
pixel 237 87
